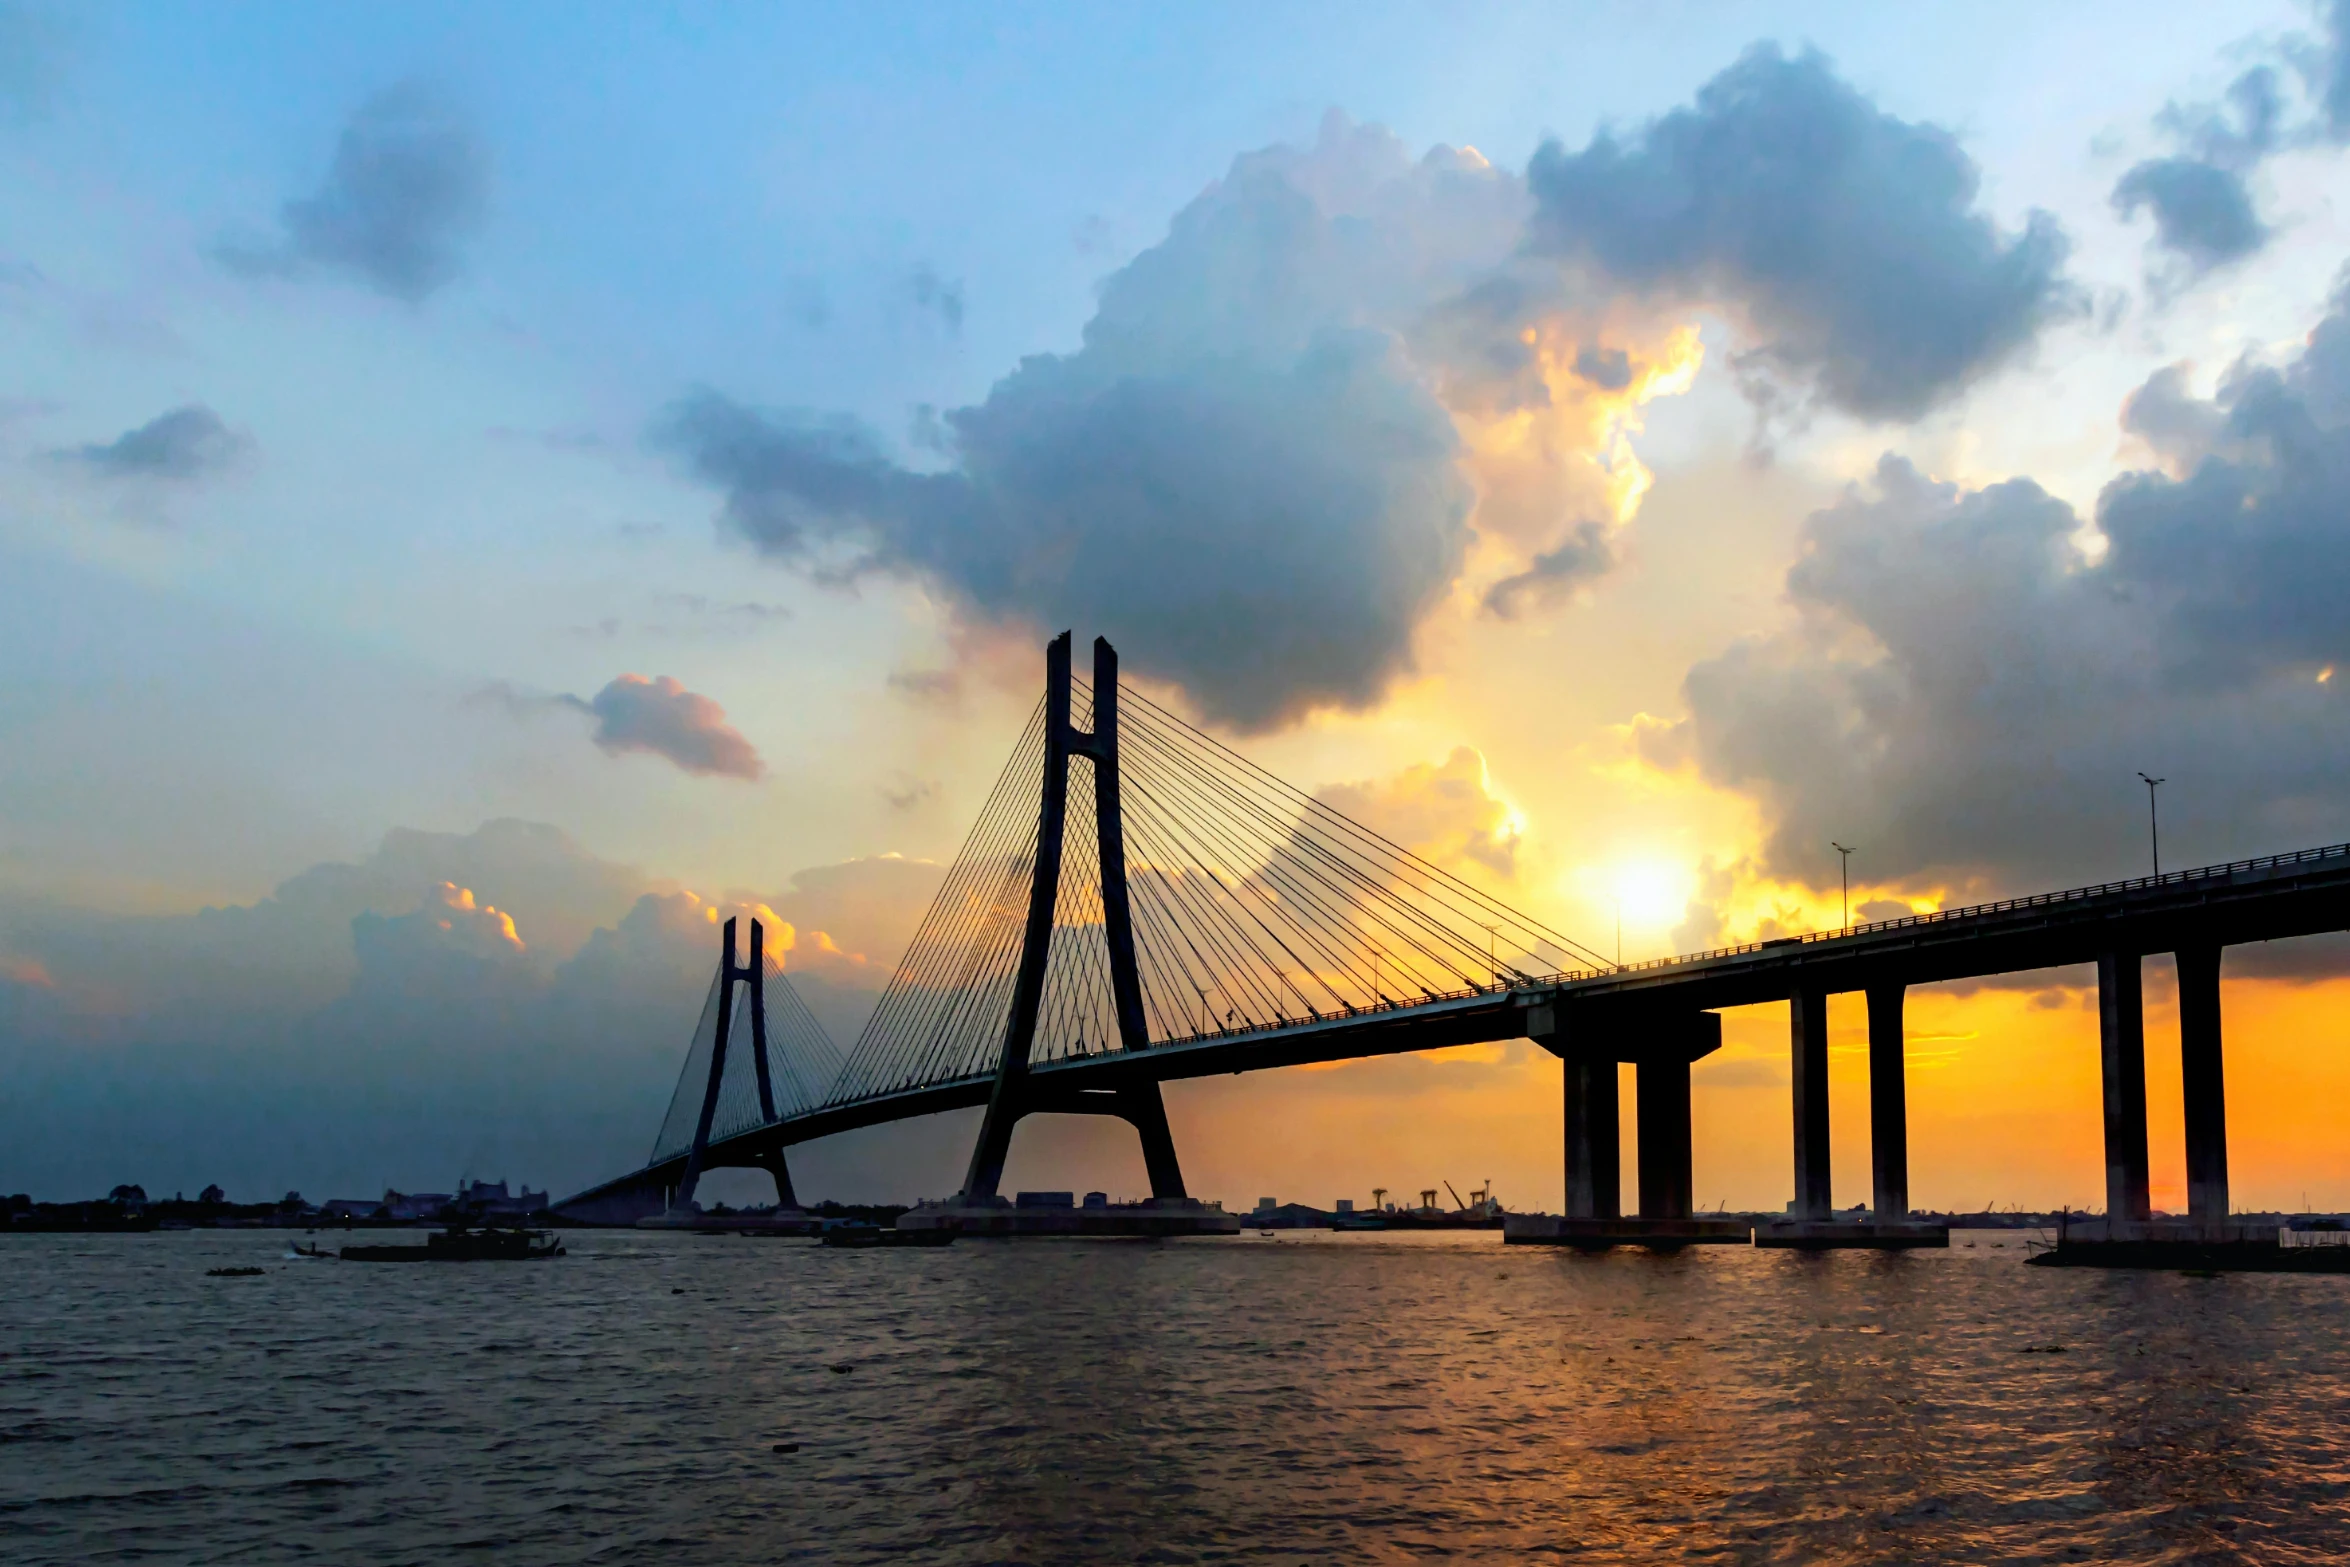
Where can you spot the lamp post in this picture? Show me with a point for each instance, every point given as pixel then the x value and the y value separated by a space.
pixel 1847 860
pixel 2153 825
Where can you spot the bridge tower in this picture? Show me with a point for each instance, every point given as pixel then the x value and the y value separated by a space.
pixel 1137 1100
pixel 752 975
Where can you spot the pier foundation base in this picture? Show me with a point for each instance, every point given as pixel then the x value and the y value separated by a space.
pixel 1545 1229
pixel 1868 1234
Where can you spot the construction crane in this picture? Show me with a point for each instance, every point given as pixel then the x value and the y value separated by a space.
pixel 1456 1198
pixel 1378 1199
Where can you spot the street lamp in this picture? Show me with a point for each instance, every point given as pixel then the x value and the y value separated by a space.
pixel 1847 854
pixel 2153 826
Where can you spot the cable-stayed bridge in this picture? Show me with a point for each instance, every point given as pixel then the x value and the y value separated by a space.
pixel 1138 903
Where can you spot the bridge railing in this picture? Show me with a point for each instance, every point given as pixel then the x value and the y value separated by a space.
pixel 2007 905
pixel 1513 981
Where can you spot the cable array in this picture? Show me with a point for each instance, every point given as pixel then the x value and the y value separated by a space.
pixel 802 1062
pixel 942 1015
pixel 1254 905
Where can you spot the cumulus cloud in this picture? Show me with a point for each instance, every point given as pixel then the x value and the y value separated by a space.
pixel 2200 197
pixel 1970 695
pixel 451 948
pixel 408 186
pixel 1350 383
pixel 1261 470
pixel 2202 213
pixel 1852 238
pixel 1588 554
pixel 501 1000
pixel 186 443
pixel 2327 68
pixel 1445 812
pixel 662 717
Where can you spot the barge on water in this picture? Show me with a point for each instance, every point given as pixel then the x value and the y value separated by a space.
pixel 2195 1247
pixel 459 1244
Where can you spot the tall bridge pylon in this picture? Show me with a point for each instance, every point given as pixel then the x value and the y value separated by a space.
pixel 734 1081
pixel 1014 1095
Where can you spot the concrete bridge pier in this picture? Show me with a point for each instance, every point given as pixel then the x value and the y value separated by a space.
pixel 1888 1103
pixel 2121 1031
pixel 1660 1048
pixel 1807 1025
pixel 1813 1224
pixel 1661 1084
pixel 2203 1080
pixel 1594 1136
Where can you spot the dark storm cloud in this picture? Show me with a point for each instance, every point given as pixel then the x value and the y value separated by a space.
pixel 1972 697
pixel 1588 555
pixel 662 717
pixel 2246 559
pixel 1609 369
pixel 2329 69
pixel 2202 213
pixel 2201 201
pixel 186 443
pixel 1257 498
pixel 1852 238
pixel 409 184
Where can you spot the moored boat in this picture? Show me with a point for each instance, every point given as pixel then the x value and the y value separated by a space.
pixel 865 1236
pixel 459 1244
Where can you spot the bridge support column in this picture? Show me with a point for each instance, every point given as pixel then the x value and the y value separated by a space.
pixel 1888 1104
pixel 1662 1114
pixel 1595 1151
pixel 2121 1020
pixel 1807 1040
pixel 1144 1108
pixel 780 1172
pixel 2203 1080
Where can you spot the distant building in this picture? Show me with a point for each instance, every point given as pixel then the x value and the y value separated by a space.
pixel 350 1207
pixel 1346 1205
pixel 490 1198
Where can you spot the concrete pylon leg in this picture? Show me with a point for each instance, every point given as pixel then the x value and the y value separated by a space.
pixel 1662 1112
pixel 1145 1109
pixel 1888 1104
pixel 780 1173
pixel 1807 1041
pixel 2121 1027
pixel 2204 1083
pixel 1595 1158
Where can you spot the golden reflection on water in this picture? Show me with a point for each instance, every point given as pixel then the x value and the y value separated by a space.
pixel 1304 1397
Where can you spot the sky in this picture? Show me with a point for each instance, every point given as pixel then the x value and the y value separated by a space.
pixel 487 490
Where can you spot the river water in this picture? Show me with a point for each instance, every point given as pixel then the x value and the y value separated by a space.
pixel 1301 1398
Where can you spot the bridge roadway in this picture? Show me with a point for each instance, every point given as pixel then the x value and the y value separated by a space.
pixel 1650 1014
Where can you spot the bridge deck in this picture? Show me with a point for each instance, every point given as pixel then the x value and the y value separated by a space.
pixel 2266 899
